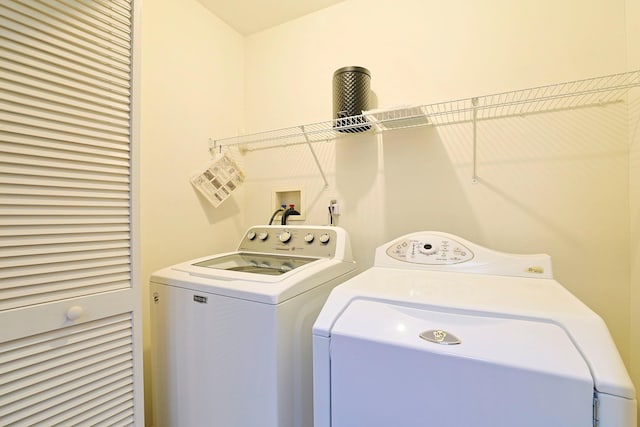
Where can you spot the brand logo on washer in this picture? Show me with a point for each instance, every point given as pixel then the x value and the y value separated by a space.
pixel 439 336
pixel 200 299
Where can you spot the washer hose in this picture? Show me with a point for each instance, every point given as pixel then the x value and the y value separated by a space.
pixel 287 213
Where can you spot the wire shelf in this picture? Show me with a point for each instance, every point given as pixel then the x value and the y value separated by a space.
pixel 562 96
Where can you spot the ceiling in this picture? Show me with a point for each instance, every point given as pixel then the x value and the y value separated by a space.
pixel 250 16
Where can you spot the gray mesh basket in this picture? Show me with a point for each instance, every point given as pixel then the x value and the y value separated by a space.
pixel 351 86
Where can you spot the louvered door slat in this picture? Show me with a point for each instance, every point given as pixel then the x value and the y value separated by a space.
pixel 47 291
pixel 26 50
pixel 62 220
pixel 44 77
pixel 55 376
pixel 77 277
pixel 60 154
pixel 45 250
pixel 24 31
pixel 105 11
pixel 43 118
pixel 61 165
pixel 82 16
pixel 119 414
pixel 56 229
pixel 27 190
pixel 21 387
pixel 9 273
pixel 9 169
pixel 121 6
pixel 37 20
pixel 51 89
pixel 39 353
pixel 65 71
pixel 67 201
pixel 67 298
pixel 62 240
pixel 20 181
pixel 111 400
pixel 44 412
pixel 12 213
pixel 35 94
pixel 73 383
pixel 40 342
pixel 41 127
pixel 40 260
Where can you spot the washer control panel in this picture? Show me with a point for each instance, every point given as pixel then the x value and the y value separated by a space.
pixel 303 241
pixel 430 250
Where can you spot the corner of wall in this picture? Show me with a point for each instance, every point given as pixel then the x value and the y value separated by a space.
pixel 632 9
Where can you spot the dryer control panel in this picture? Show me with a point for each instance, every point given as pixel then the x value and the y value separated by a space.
pixel 430 250
pixel 438 251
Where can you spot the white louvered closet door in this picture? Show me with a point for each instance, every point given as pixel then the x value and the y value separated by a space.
pixel 70 346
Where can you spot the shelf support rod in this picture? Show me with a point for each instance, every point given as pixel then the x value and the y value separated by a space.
pixel 315 157
pixel 474 102
pixel 213 146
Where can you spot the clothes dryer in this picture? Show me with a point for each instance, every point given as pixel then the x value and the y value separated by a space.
pixel 231 333
pixel 443 332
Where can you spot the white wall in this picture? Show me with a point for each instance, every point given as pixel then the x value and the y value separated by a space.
pixel 192 89
pixel 633 48
pixel 555 183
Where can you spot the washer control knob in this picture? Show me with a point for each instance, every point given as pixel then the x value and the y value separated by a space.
pixel 324 238
pixel 251 235
pixel 427 248
pixel 285 236
pixel 309 237
pixel 263 235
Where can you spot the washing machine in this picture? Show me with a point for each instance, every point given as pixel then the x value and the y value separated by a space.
pixel 231 333
pixel 443 332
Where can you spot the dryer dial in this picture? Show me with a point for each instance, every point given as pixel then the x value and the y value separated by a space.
pixel 427 248
pixel 324 238
pixel 263 235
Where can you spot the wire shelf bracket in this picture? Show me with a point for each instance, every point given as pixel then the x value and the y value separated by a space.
pixel 315 158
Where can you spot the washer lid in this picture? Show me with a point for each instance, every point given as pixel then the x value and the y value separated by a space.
pixel 255 263
pixel 502 373
pixel 539 300
pixel 536 347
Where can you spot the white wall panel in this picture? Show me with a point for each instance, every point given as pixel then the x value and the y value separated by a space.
pixel 555 183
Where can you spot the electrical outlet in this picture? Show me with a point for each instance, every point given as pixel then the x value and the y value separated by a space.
pixel 335 207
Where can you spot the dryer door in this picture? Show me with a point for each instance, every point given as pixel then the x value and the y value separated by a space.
pixel 465 370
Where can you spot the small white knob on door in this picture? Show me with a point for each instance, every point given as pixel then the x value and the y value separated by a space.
pixel 75 312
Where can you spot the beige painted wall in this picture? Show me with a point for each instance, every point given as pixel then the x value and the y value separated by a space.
pixel 555 183
pixel 192 89
pixel 633 48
